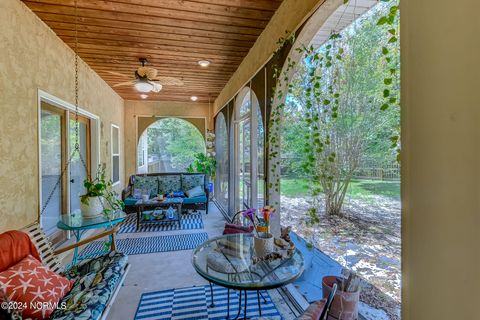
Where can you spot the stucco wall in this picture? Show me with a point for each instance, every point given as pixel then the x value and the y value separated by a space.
pixel 289 16
pixel 156 109
pixel 32 57
pixel 440 52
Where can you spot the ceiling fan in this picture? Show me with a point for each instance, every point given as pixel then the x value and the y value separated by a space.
pixel 147 79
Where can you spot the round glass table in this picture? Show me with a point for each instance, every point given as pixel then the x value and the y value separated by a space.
pixel 228 261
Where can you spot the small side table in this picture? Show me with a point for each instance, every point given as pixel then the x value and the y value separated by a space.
pixel 77 224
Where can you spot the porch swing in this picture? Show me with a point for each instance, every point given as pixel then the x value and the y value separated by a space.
pixel 87 299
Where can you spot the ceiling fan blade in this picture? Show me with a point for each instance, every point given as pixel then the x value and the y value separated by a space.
pixel 168 81
pixel 117 74
pixel 156 86
pixel 128 83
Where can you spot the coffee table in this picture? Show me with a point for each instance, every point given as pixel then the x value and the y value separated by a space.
pixel 154 204
pixel 227 261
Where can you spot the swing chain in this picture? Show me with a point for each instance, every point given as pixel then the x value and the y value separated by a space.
pixel 76 144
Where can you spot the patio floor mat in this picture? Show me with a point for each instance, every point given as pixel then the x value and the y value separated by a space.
pixel 145 245
pixel 189 221
pixel 192 303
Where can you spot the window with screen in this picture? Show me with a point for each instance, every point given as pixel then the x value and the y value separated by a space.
pixel 115 154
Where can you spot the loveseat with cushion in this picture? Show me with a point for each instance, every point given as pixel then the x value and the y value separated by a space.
pixel 192 187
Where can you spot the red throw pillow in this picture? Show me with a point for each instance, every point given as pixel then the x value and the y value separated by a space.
pixel 34 287
pixel 234 229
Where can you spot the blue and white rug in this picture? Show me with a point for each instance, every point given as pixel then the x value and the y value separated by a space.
pixel 189 221
pixel 145 245
pixel 192 303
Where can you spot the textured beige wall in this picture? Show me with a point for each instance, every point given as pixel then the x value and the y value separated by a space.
pixel 289 16
pixel 440 159
pixel 32 57
pixel 156 108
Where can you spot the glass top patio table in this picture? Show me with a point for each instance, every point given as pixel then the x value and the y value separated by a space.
pixel 77 222
pixel 228 261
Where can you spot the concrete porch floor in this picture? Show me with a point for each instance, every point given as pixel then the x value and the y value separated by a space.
pixel 168 270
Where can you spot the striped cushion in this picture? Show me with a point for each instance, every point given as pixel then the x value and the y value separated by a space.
pixel 44 247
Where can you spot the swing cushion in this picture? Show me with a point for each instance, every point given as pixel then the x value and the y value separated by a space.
pixel 95 282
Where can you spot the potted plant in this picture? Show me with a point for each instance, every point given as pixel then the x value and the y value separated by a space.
pixel 99 197
pixel 262 241
pixel 204 164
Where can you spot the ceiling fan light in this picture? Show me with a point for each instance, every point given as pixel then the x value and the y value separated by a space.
pixel 144 96
pixel 143 86
pixel 204 63
pixel 194 98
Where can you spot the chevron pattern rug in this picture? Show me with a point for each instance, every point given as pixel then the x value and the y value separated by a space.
pixel 192 303
pixel 146 245
pixel 188 221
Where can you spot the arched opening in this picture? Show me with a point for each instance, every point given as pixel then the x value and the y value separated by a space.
pixel 168 145
pixel 249 152
pixel 221 156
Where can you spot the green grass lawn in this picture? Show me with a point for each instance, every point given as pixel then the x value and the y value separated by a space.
pixel 358 188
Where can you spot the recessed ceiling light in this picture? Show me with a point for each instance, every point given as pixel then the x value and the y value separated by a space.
pixel 194 98
pixel 144 96
pixel 204 63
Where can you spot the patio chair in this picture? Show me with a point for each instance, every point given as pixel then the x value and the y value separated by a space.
pixel 110 270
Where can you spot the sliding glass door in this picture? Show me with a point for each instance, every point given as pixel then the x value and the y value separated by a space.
pixel 52 161
pixel 78 170
pixel 57 142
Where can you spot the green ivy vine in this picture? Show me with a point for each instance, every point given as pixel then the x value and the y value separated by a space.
pixel 280 78
pixel 391 80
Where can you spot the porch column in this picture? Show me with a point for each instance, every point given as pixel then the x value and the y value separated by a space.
pixel 440 52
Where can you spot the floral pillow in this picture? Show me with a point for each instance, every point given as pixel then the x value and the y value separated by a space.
pixel 190 181
pixel 169 183
pixel 34 288
pixel 145 185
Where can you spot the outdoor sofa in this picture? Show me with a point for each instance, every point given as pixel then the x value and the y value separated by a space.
pixel 192 187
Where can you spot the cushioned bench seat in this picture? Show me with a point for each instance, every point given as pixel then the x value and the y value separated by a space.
pixel 193 200
pixel 95 281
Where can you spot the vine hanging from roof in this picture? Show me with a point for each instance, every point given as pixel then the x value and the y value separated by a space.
pixel 322 89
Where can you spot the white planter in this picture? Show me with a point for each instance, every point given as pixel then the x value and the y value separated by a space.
pixel 263 244
pixel 93 209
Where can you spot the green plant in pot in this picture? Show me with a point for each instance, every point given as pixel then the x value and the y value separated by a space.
pixel 99 197
pixel 204 164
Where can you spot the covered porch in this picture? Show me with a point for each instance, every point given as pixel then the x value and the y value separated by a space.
pixel 189 112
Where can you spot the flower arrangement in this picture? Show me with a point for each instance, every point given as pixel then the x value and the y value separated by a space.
pixel 251 214
pixel 260 225
pixel 267 212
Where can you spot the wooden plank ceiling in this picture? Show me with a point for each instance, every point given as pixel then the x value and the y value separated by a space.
pixel 172 34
